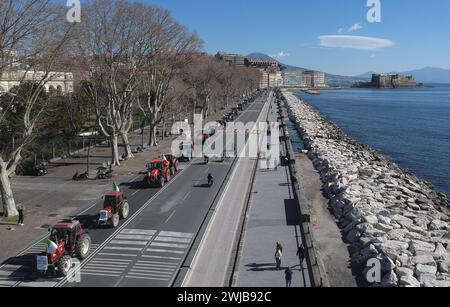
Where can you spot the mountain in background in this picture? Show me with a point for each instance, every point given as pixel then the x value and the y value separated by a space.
pixel 424 75
pixel 330 78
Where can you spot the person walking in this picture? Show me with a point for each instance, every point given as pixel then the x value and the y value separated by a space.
pixel 278 255
pixel 279 247
pixel 288 276
pixel 20 209
pixel 301 254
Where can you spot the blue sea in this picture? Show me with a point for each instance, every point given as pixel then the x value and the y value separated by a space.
pixel 409 126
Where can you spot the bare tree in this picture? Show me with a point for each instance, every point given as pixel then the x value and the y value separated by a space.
pixel 113 41
pixel 32 35
pixel 171 49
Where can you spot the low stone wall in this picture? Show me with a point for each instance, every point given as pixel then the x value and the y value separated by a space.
pixel 384 211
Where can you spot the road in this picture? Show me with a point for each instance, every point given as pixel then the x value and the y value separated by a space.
pixel 148 248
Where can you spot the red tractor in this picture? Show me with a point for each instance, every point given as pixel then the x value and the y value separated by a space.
pixel 115 208
pixel 173 162
pixel 158 173
pixel 68 240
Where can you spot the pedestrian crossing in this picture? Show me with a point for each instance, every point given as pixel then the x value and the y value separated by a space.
pixel 140 254
pixel 161 259
pixel 133 254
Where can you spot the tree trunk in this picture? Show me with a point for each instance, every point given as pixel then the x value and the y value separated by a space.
pixel 152 137
pixel 126 143
pixel 9 205
pixel 115 151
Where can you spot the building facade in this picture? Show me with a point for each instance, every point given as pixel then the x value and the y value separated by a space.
pixel 58 82
pixel 293 78
pixel 314 79
pixel 231 58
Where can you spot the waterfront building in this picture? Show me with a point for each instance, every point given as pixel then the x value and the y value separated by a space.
pixel 314 78
pixel 293 78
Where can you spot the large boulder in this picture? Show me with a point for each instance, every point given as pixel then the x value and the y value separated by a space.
pixel 425 269
pixel 409 281
pixel 417 246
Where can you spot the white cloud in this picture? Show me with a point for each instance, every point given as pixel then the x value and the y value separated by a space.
pixel 357 26
pixel 354 42
pixel 281 54
pixel 340 30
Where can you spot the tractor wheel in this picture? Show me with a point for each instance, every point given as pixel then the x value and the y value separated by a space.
pixel 162 182
pixel 124 211
pixel 65 264
pixel 115 220
pixel 83 246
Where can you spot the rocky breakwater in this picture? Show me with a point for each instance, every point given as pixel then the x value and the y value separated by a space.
pixel 385 212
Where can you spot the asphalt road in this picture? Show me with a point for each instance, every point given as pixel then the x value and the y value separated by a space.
pixel 146 250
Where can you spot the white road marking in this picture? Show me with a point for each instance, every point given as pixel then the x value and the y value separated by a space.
pixel 118 255
pixel 112 260
pixel 135 193
pixel 161 257
pixel 175 234
pixel 157 244
pixel 147 278
pixel 138 232
pixel 107 266
pixel 156 262
pixel 100 274
pixel 152 269
pixel 169 239
pixel 121 242
pixel 164 251
pixel 123 248
pixel 187 195
pixel 170 217
pixel 134 237
pixel 151 274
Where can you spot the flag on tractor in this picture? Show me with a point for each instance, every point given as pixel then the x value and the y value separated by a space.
pixel 116 187
pixel 51 247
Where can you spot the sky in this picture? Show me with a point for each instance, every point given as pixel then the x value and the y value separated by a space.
pixel 327 35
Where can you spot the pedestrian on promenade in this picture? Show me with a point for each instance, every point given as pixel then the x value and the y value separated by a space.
pixel 301 254
pixel 20 209
pixel 288 276
pixel 279 247
pixel 278 255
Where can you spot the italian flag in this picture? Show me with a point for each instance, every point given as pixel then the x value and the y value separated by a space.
pixel 116 187
pixel 51 247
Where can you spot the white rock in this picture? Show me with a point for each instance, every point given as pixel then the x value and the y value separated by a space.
pixel 401 271
pixel 440 251
pixel 393 249
pixel 425 269
pixel 438 225
pixel 420 246
pixel 409 281
pixel 423 259
pixel 371 219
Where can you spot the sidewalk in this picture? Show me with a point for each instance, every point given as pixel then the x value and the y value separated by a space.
pixel 273 217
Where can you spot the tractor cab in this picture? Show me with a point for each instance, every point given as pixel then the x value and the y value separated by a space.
pixel 67 240
pixel 65 233
pixel 115 207
pixel 113 199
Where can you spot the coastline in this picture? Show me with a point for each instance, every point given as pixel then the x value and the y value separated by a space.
pixel 384 211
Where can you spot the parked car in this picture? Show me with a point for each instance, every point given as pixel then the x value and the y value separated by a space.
pixel 26 169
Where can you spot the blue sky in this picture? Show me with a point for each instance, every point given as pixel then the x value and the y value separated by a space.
pixel 412 33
